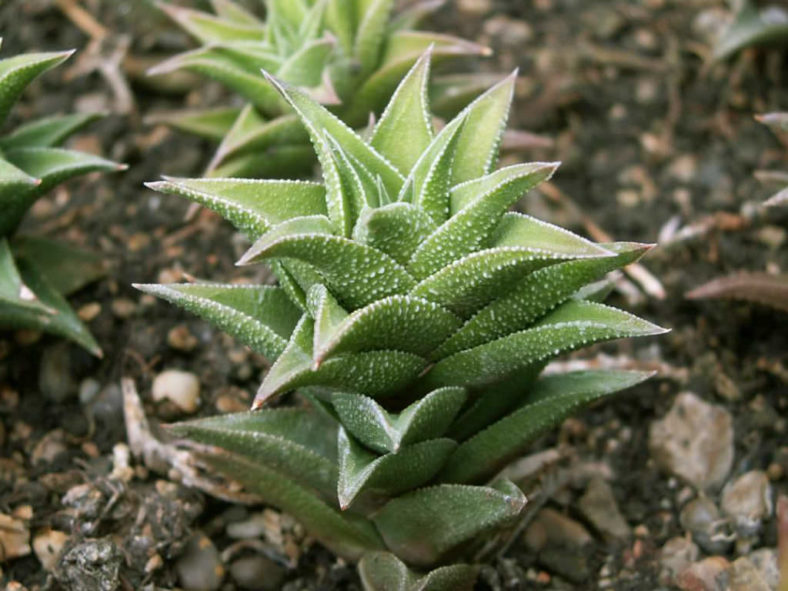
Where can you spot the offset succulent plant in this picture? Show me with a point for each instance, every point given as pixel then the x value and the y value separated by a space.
pixel 36 273
pixel 347 53
pixel 416 314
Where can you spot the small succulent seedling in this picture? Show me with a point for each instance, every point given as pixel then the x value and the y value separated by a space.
pixel 347 53
pixel 416 313
pixel 754 23
pixel 36 273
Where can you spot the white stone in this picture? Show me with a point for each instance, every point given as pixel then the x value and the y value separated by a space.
pixel 748 501
pixel 179 387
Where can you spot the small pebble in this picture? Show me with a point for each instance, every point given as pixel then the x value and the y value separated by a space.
pixel 598 505
pixel 123 308
pixel 89 311
pixel 54 373
pixel 676 555
pixel 551 528
pixel 694 441
pixel 257 572
pixel 48 546
pixel 765 560
pixel 179 387
pixel 701 518
pixel 181 339
pixel 748 501
pixel 199 568
pixel 709 574
pixel 744 576
pixel 14 538
pixel 49 447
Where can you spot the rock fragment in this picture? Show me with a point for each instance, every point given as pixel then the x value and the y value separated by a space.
pixel 599 506
pixel 48 546
pixel 748 501
pixel 694 441
pixel 199 567
pixel 14 538
pixel 709 574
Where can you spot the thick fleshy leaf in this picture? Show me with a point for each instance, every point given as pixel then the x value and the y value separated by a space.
pixel 492 402
pixel 320 121
pixel 399 323
pixel 340 18
pixel 402 50
pixel 55 165
pixel 412 15
pixel 405 129
pixel 427 418
pixel 573 325
pixel 361 471
pixel 396 229
pixel 229 10
pixel 468 229
pixel 383 571
pixel 48 132
pixel 345 534
pixel 294 442
pixel 290 161
pixel 477 151
pixel 260 316
pixel 753 26
pixel 550 401
pixel 62 321
pixel 356 274
pixel 377 373
pixel 371 33
pixel 253 206
pixel 13 291
pixel 252 132
pixel 305 67
pixel 451 93
pixel 212 124
pixel 66 268
pixel 422 526
pixel 215 63
pixel 209 28
pixel 18 71
pixel 474 281
pixel 18 191
pixel 535 295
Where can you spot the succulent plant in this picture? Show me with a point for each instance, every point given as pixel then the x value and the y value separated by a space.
pixel 350 54
pixel 754 23
pixel 415 313
pixel 37 273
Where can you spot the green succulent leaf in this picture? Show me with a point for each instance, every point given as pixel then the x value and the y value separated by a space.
pixel 55 165
pixel 229 10
pixel 48 132
pixel 423 525
pixel 377 373
pixel 383 571
pixel 535 295
pixel 18 71
pixel 361 471
pixel 305 67
pixel 573 325
pixel 66 268
pixel 405 129
pixel 358 275
pixel 347 535
pixel 18 191
pixel 251 132
pixel 396 229
pixel 291 161
pixel 260 316
pixel 13 291
pixel 370 35
pixel 253 206
pixel 59 320
pixel 549 401
pixel 212 124
pixel 752 26
pixel 427 418
pixel 294 442
pixel 400 323
pixel 208 28
pixel 471 226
